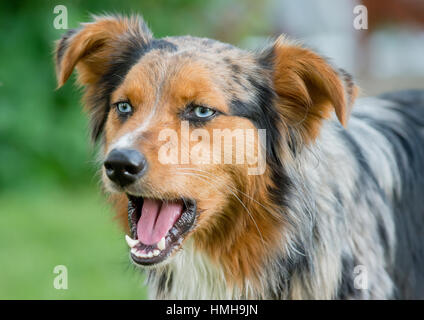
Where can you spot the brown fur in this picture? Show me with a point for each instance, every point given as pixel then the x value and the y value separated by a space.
pixel 235 234
pixel 309 89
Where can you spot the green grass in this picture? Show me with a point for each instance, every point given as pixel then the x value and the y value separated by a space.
pixel 43 229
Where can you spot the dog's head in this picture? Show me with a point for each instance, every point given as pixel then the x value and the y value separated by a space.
pixel 195 131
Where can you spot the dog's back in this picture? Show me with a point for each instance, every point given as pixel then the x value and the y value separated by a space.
pixel 409 210
pixel 399 117
pixel 329 200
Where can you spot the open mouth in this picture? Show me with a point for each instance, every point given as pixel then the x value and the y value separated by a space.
pixel 158 227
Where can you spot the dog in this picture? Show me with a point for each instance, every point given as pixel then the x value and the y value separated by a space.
pixel 337 212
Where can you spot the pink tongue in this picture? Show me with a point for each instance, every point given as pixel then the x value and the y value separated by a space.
pixel 157 218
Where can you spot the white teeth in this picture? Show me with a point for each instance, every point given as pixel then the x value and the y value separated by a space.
pixel 161 244
pixel 131 242
pixel 137 253
pixel 140 254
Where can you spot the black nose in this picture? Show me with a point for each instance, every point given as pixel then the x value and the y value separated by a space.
pixel 124 166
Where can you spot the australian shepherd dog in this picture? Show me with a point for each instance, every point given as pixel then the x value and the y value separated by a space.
pixel 252 174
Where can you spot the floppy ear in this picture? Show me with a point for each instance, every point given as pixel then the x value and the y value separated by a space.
pixel 90 47
pixel 102 51
pixel 308 89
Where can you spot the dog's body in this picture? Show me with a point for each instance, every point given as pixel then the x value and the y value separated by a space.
pixel 357 211
pixel 337 213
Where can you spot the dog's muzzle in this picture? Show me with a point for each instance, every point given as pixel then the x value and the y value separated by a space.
pixel 125 166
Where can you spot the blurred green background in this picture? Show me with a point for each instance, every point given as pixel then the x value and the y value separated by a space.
pixel 52 211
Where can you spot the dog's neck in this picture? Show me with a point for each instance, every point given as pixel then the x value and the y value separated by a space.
pixel 190 274
pixel 238 263
pixel 260 254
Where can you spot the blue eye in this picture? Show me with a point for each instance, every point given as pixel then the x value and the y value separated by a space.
pixel 124 108
pixel 198 114
pixel 203 112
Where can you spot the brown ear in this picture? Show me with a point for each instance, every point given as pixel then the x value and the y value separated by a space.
pixel 90 47
pixel 308 89
pixel 102 51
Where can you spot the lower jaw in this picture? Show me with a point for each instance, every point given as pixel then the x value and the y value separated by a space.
pixel 150 255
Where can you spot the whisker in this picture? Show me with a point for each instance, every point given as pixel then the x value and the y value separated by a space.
pixel 234 188
pixel 228 187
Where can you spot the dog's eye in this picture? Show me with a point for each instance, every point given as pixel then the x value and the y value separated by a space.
pixel 124 108
pixel 203 112
pixel 198 113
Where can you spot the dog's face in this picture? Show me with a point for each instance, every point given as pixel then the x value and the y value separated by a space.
pixel 179 87
pixel 180 119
